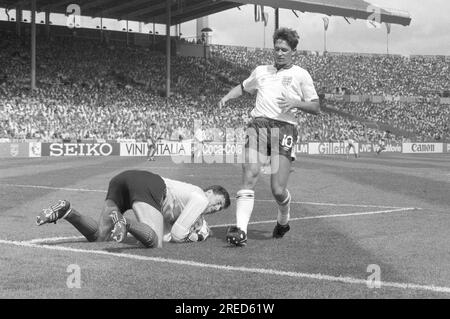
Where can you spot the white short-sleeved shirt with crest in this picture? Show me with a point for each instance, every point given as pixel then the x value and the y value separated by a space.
pixel 269 83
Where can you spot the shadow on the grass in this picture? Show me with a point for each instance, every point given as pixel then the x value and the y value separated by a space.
pixel 130 243
pixel 254 234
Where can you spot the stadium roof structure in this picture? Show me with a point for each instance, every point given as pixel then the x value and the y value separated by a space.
pixel 357 9
pixel 154 11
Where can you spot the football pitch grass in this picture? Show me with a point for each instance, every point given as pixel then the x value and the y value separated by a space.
pixel 349 218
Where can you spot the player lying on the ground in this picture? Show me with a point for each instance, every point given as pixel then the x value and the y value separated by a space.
pixel 165 209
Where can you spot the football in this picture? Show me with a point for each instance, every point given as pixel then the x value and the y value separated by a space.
pixel 200 231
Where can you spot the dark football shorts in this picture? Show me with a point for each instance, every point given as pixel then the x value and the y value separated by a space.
pixel 151 144
pixel 136 186
pixel 271 136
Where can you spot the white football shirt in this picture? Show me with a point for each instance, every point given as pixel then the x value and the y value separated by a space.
pixel 270 84
pixel 183 205
pixel 200 135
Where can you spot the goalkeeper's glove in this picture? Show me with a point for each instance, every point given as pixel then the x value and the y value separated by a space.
pixel 199 232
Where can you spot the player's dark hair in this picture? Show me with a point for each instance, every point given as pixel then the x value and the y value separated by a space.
pixel 219 190
pixel 288 35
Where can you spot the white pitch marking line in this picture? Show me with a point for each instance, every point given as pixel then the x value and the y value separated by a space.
pixel 347 280
pixel 257 200
pixel 333 204
pixel 61 239
pixel 54 239
pixel 331 216
pixel 55 188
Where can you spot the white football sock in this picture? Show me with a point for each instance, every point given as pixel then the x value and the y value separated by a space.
pixel 284 209
pixel 244 207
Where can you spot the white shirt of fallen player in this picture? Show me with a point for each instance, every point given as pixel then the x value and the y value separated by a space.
pixel 270 84
pixel 183 205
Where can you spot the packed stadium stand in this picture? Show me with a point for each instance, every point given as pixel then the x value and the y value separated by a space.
pixel 93 90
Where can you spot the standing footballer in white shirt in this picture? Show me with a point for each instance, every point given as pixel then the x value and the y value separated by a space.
pixel 281 90
pixel 165 209
pixel 199 140
pixel 350 142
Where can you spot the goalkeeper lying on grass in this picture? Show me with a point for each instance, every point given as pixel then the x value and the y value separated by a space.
pixel 165 209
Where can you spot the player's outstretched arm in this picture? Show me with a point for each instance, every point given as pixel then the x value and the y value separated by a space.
pixel 290 102
pixel 194 208
pixel 233 94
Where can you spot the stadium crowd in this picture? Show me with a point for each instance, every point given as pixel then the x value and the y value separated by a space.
pixel 90 90
pixel 358 74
